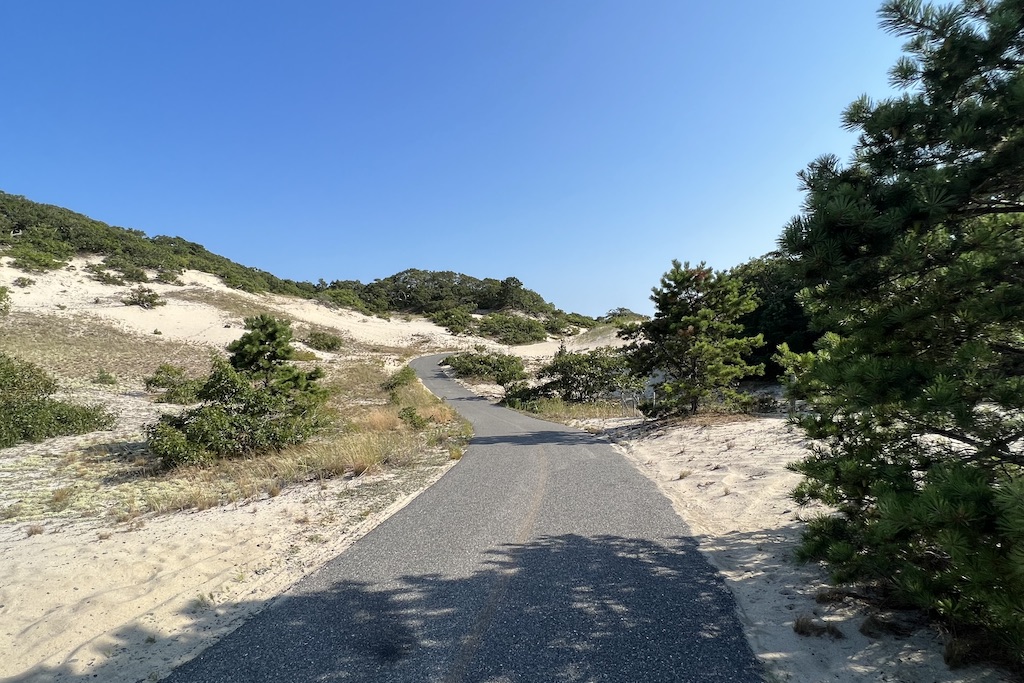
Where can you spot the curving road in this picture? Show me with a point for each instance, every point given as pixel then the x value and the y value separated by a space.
pixel 543 556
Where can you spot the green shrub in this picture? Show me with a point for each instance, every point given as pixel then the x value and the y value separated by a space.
pixel 496 367
pixel 143 297
pixel 456 320
pixel 402 378
pixel 130 271
pixel 99 273
pixel 5 301
pixel 23 282
pixel 323 341
pixel 28 413
pixel 104 377
pixel 512 329
pixel 252 403
pixel 587 376
pixel 179 388
pixel 28 258
pixel 412 418
pixel 169 277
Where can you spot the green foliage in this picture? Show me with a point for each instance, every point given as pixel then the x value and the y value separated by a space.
pixel 179 387
pixel 559 323
pixel 252 403
pixel 5 302
pixel 323 341
pixel 512 329
pixel 409 416
pixel 33 260
pixel 913 260
pixel 402 378
pixel 99 273
pixel 104 377
pixel 620 317
pixel 587 376
pixel 500 368
pixel 446 297
pixel 693 346
pixel 779 317
pixel 458 320
pixel 28 412
pixel 264 348
pixel 143 297
pixel 23 282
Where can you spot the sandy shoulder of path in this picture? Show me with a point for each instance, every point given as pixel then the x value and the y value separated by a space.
pixel 129 602
pixel 728 480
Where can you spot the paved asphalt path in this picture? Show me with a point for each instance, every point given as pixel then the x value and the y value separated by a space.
pixel 543 556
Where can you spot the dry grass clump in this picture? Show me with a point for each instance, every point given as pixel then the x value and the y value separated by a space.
pixel 379 420
pixel 357 383
pixel 557 410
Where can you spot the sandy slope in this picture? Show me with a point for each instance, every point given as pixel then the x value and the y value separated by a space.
pixel 125 602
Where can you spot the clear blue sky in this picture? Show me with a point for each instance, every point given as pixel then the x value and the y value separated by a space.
pixel 579 145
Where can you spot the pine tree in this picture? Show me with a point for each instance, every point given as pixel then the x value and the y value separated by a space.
pixel 252 403
pixel 692 345
pixel 914 257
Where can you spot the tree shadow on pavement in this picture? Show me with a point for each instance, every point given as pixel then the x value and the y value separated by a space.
pixel 559 608
pixel 563 608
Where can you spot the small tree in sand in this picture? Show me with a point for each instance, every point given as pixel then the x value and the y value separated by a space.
pixel 252 403
pixel 692 346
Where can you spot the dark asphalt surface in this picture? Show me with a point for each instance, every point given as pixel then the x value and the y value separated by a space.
pixel 543 556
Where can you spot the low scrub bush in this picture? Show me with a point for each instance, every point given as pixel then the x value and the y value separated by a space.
pixel 402 378
pixel 323 341
pixel 143 297
pixel 456 320
pixel 500 368
pixel 253 403
pixel 409 416
pixel 104 377
pixel 5 301
pixel 512 329
pixel 29 413
pixel 99 273
pixel 23 282
pixel 169 277
pixel 30 259
pixel 179 388
pixel 587 376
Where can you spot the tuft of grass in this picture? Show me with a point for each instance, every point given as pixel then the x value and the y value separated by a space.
pixel 104 377
pixel 558 410
pixel 61 498
pixel 379 420
pixel 806 625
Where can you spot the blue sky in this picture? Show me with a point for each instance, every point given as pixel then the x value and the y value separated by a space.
pixel 579 145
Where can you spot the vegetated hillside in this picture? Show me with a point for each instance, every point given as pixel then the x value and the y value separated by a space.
pixel 41 237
